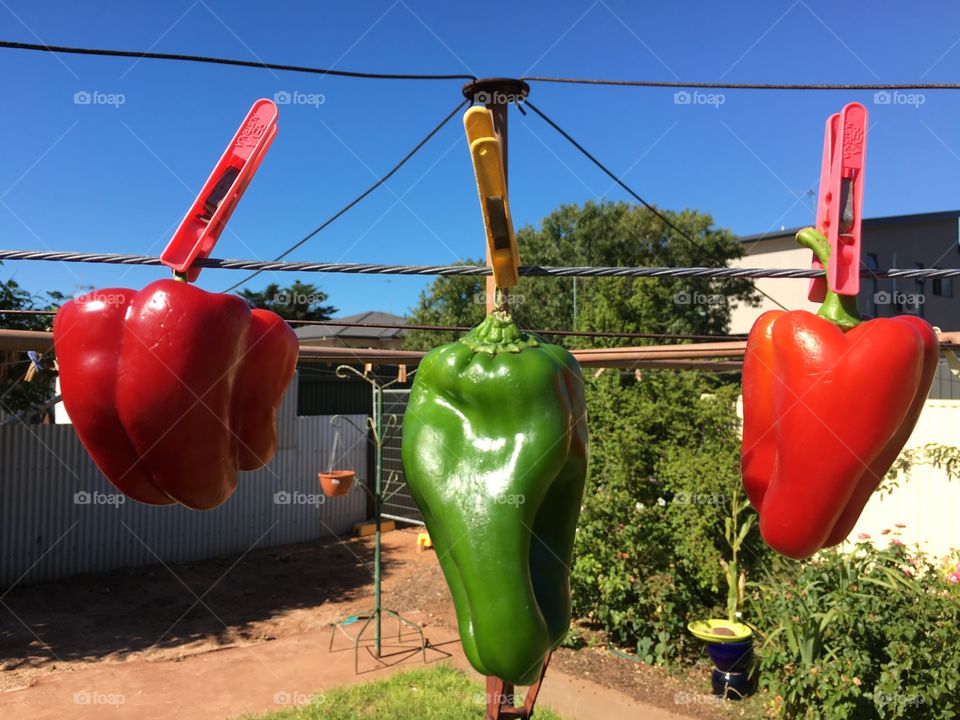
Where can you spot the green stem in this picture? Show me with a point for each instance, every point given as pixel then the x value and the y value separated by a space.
pixel 841 310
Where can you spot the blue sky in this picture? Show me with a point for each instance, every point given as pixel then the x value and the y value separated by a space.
pixel 118 178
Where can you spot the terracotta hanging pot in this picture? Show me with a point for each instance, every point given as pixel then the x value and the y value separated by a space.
pixel 336 482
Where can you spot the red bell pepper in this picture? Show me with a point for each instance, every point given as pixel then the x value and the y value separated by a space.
pixel 828 403
pixel 172 389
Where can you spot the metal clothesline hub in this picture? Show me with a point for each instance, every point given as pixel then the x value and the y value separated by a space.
pixel 487 91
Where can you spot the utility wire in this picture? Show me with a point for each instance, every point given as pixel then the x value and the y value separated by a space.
pixel 475 270
pixel 746 86
pixel 666 221
pixel 226 61
pixel 359 197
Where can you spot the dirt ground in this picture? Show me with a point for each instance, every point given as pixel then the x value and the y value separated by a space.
pixel 172 613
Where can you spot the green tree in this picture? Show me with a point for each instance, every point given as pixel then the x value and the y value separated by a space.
pixel 300 301
pixel 603 234
pixel 17 395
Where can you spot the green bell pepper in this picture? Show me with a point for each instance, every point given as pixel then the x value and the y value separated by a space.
pixel 495 455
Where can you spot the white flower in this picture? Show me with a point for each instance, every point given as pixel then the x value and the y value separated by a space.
pixel 661 502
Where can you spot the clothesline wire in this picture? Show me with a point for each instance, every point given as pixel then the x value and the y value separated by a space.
pixel 380 181
pixel 458 328
pixel 225 61
pixel 137 54
pixel 722 273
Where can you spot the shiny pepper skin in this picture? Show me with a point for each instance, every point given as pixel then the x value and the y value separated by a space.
pixel 826 411
pixel 495 454
pixel 172 389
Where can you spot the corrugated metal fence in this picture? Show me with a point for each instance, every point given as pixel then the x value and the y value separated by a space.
pixel 59 516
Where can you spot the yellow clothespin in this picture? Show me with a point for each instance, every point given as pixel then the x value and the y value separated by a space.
pixel 492 186
pixel 402 373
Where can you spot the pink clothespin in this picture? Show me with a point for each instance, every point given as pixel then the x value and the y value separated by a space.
pixel 840 201
pixel 208 215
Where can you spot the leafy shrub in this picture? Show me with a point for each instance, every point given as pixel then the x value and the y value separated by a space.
pixel 664 470
pixel 870 634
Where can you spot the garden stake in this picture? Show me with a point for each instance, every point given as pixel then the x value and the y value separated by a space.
pixel 379 495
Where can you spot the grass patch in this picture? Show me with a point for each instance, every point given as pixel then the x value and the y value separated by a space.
pixel 437 693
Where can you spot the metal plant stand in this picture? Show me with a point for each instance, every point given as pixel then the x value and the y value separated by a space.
pixel 381 492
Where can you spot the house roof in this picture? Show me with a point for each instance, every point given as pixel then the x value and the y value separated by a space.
pixel 315 332
pixel 867 223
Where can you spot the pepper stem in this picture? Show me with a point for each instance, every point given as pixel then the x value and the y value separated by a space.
pixel 841 310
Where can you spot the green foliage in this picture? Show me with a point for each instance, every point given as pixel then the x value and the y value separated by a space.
pixel 941 457
pixel 870 634
pixel 300 301
pixel 664 475
pixel 437 693
pixel 602 234
pixel 17 396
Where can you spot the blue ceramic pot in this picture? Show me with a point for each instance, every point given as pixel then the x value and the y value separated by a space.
pixel 731 685
pixel 732 657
